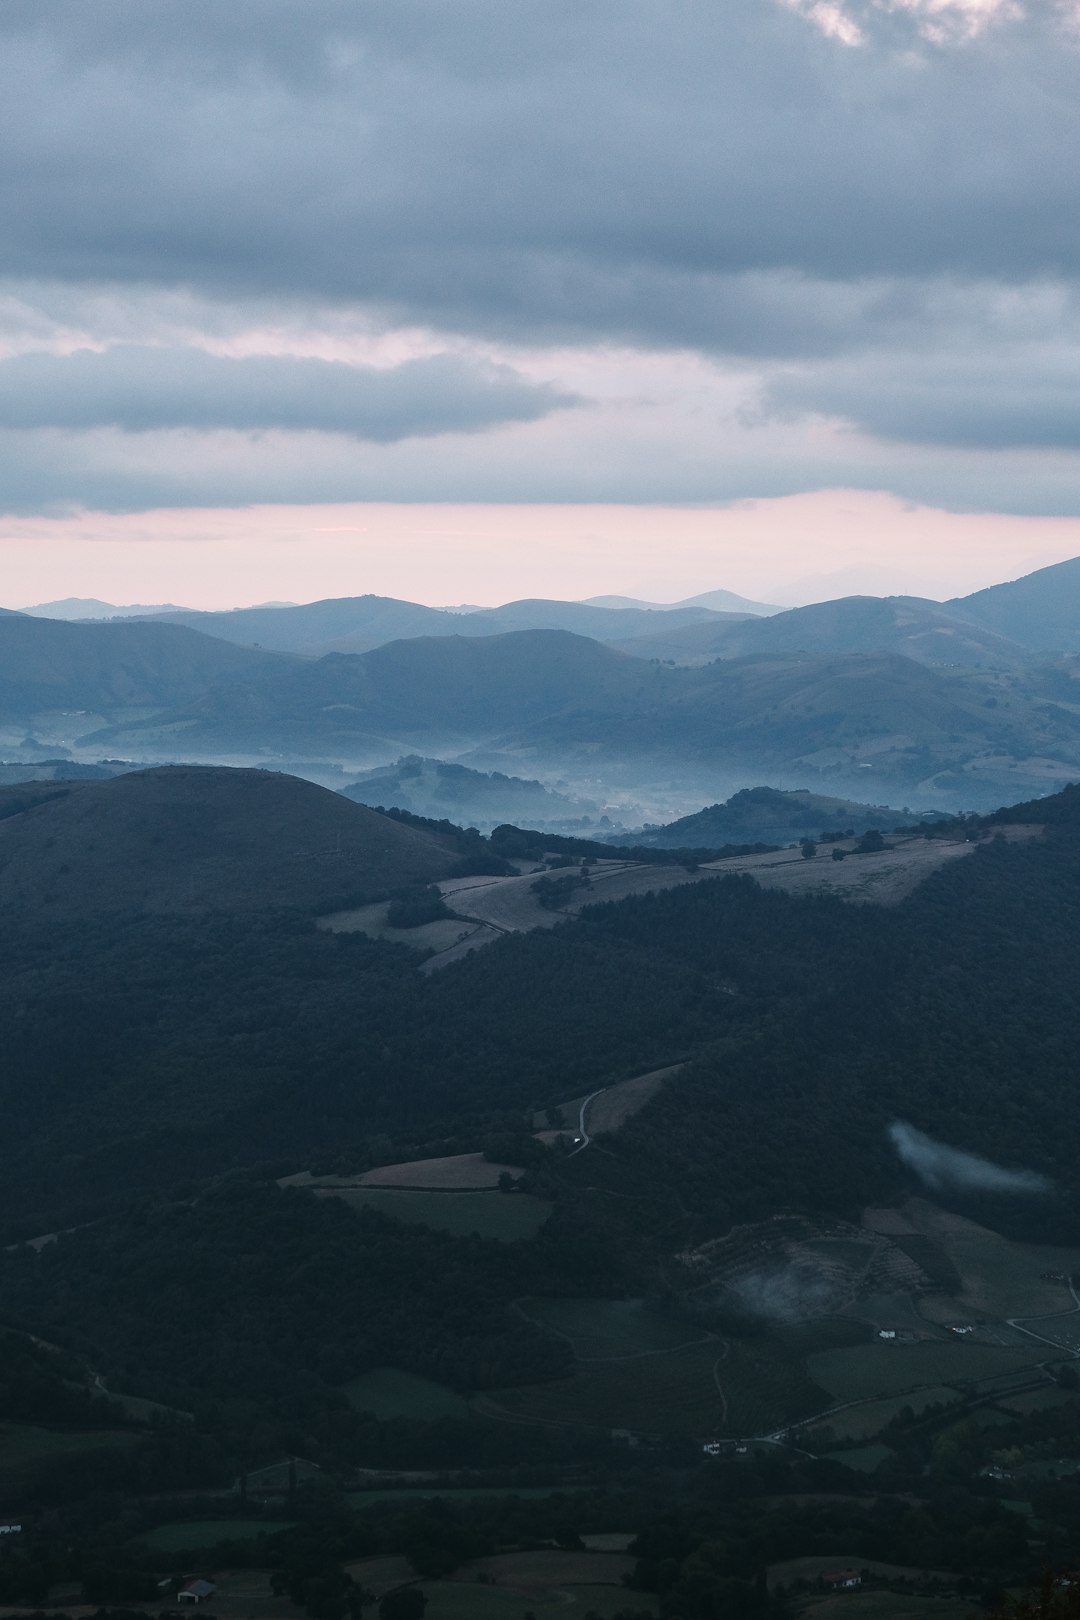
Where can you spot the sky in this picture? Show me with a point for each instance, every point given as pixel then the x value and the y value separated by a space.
pixel 468 301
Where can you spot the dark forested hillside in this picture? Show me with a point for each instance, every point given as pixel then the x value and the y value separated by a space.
pixel 167 1072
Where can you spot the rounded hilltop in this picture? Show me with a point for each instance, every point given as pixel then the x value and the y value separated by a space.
pixel 202 837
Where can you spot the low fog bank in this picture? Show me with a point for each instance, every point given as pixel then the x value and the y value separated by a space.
pixel 942 1168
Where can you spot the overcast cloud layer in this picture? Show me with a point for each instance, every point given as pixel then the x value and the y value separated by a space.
pixel 758 247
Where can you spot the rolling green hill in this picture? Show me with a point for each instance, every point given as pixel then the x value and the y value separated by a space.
pixel 198 838
pixel 768 816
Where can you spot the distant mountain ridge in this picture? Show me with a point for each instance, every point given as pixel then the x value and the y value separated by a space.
pixel 926 631
pixel 356 624
pixel 89 607
pixel 51 664
pixel 552 703
pixel 715 601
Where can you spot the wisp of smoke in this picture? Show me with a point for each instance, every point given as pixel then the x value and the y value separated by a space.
pixel 941 1166
pixel 790 1293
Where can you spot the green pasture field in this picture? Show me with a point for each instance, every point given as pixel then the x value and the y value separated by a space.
pixel 873 1370
pixel 1038 1400
pixel 551 1567
pixel 197 1533
pixel 1000 1278
pixel 801 1339
pixel 388 1392
pixel 468 1600
pixel 870 1605
pixel 1064 1330
pixel 22 1445
pixel 672 1394
pixel 507 1217
pixel 459 1493
pixel 699 1390
pixel 766 1390
pixel 863 1458
pixel 864 1422
pixel 815 1564
pixel 600 1329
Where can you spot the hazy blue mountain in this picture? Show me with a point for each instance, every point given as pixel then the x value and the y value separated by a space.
pixel 356 624
pixel 318 627
pixel 715 601
pixel 432 693
pixel 89 607
pixel 1041 610
pixel 602 623
pixel 926 631
pixel 552 703
pixel 50 664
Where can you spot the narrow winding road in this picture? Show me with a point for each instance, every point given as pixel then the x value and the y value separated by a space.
pixel 582 1131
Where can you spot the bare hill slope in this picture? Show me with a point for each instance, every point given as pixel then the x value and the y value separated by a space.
pixel 202 838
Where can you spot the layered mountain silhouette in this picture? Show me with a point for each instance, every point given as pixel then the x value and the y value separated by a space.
pixel 891 698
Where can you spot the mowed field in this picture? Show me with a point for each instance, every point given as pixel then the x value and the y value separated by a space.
pixel 868 1371
pixel 462 1171
pixel 550 1585
pixel 485 908
pixel 388 1392
pixel 606 1329
pixel 871 1605
pixel 1000 1278
pixel 24 1446
pixel 459 1172
pixel 506 1217
pixel 205 1533
pixel 809 1569
pixel 652 1371
pixel 864 1421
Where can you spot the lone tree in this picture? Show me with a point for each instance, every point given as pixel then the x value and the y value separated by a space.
pixel 807 848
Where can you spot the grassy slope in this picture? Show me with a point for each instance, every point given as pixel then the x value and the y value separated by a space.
pixel 201 837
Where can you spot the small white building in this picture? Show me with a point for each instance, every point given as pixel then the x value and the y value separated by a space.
pixel 196 1591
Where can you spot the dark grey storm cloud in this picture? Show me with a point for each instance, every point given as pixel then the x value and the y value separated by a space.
pixel 602 170
pixel 885 231
pixel 142 388
pixel 972 400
